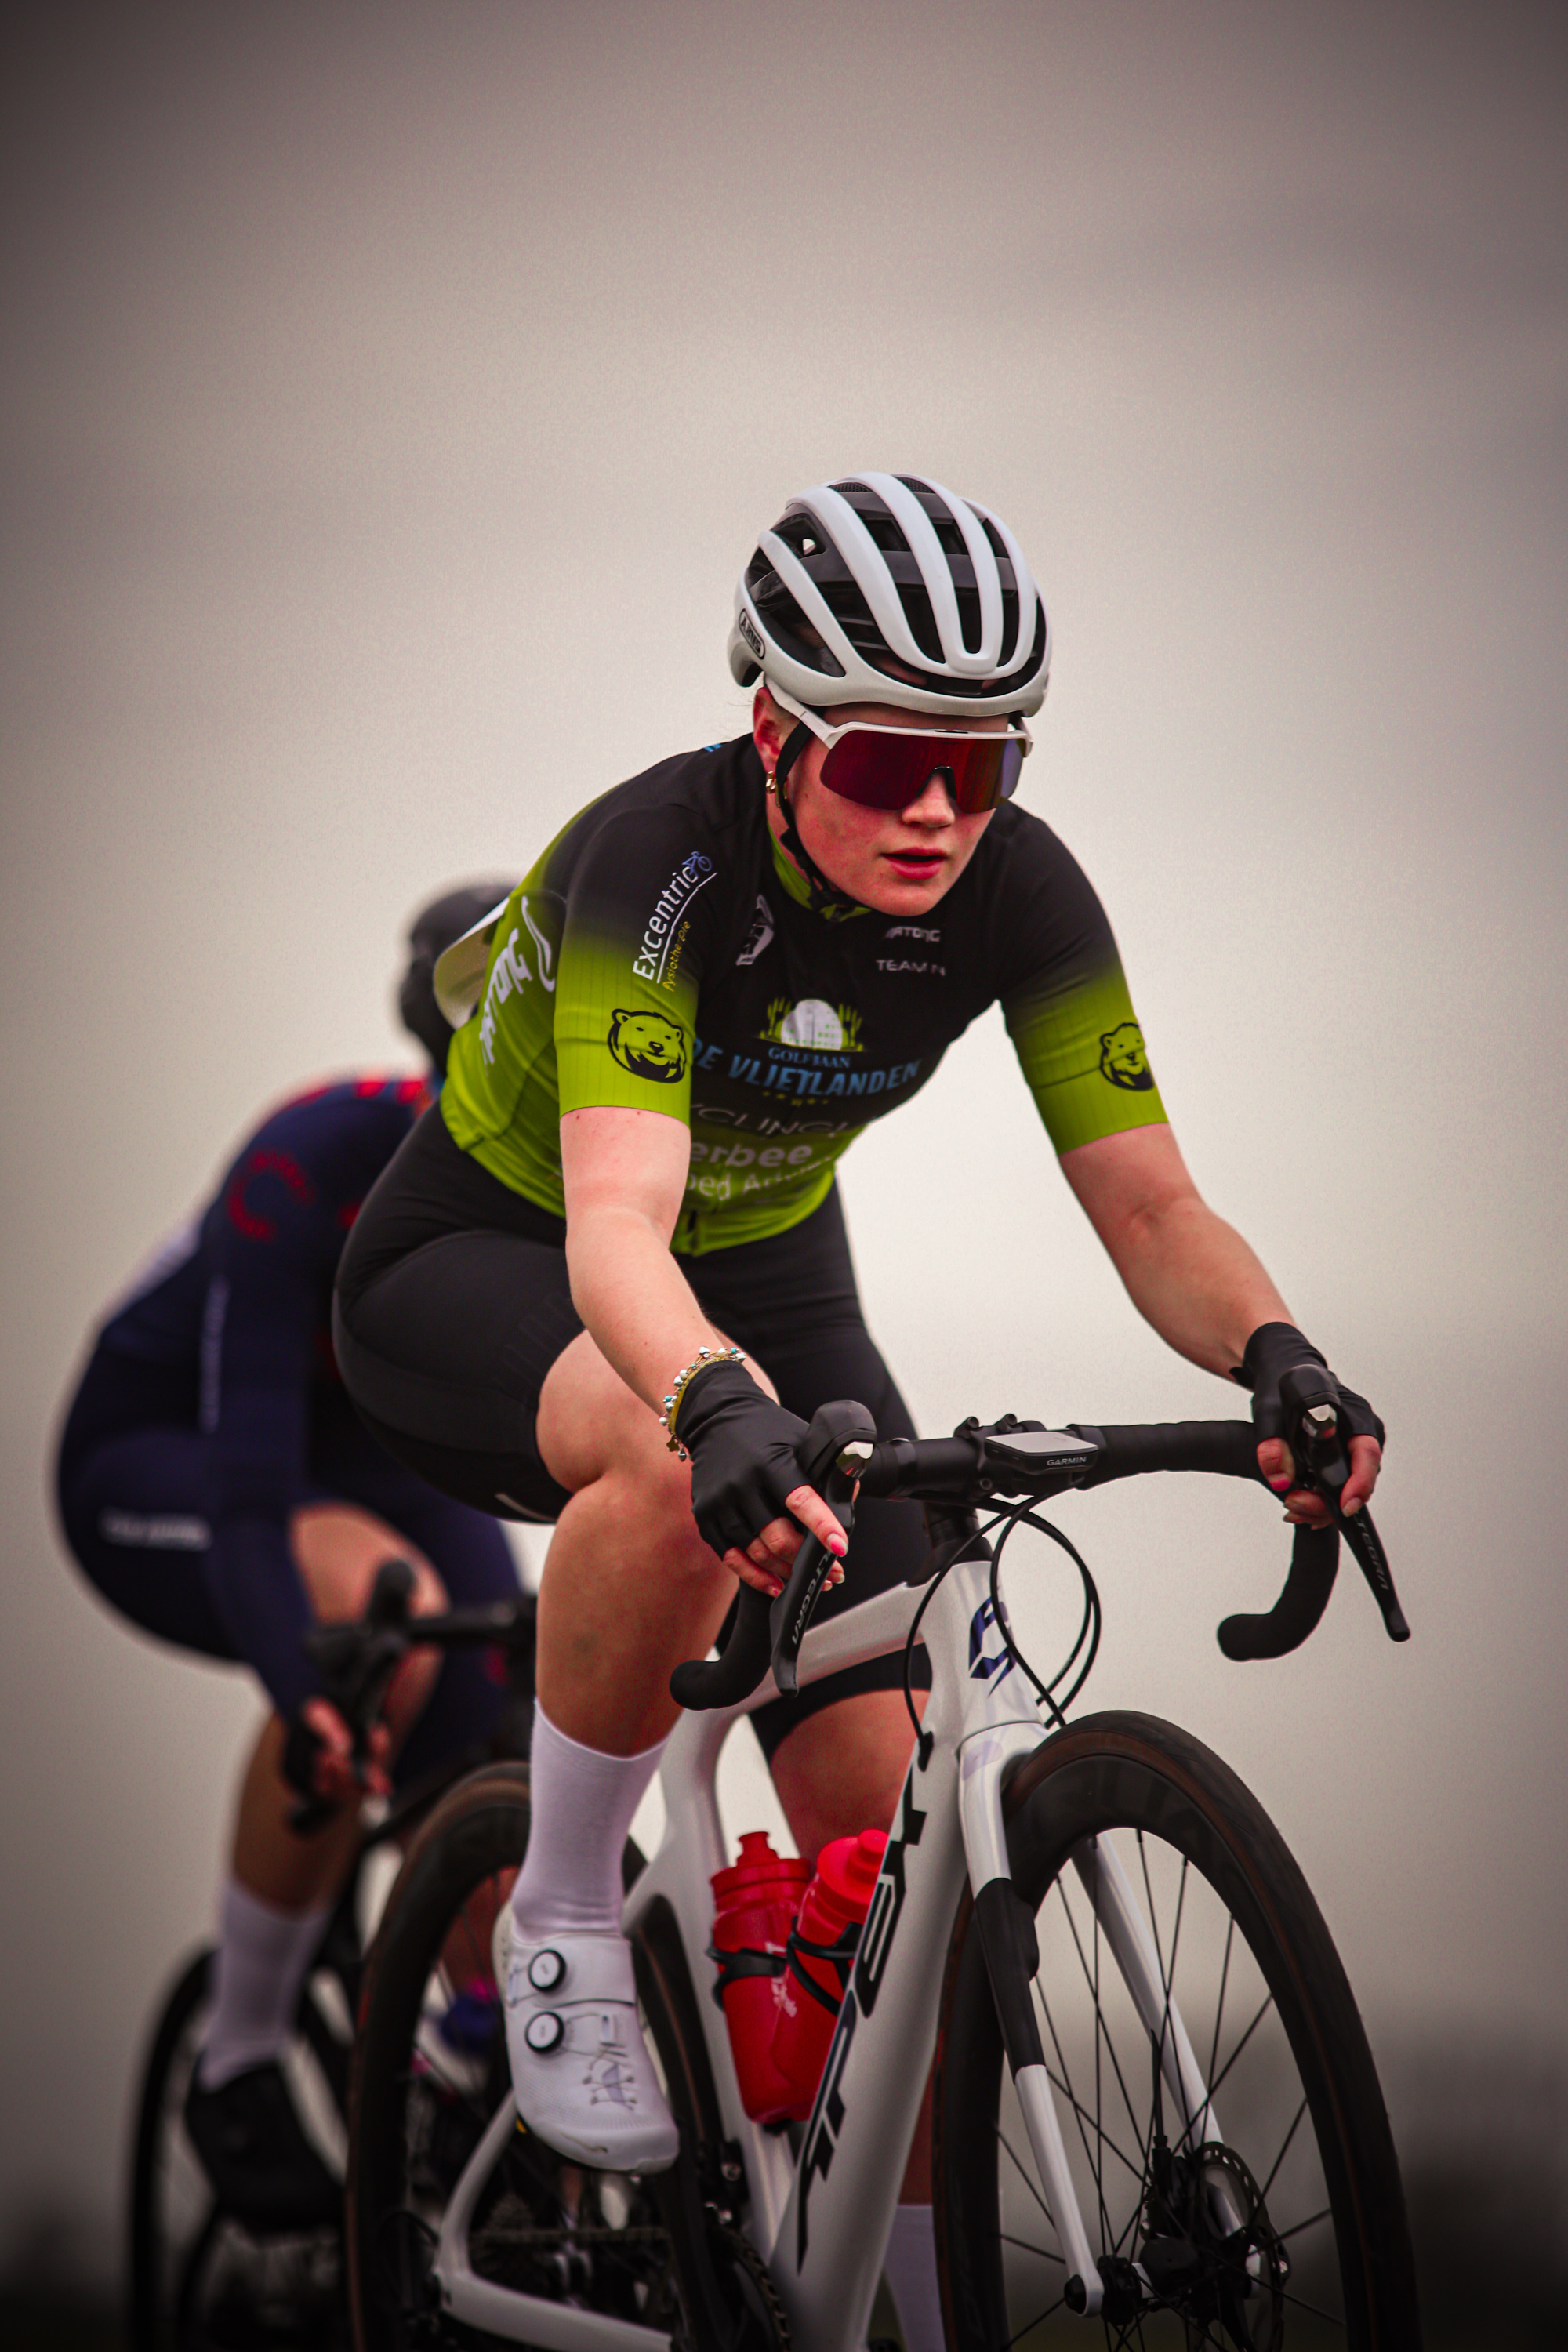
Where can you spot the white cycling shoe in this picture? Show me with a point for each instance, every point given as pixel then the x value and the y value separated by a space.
pixel 581 2071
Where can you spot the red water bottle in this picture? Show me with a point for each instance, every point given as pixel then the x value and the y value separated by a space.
pixel 755 1903
pixel 820 1956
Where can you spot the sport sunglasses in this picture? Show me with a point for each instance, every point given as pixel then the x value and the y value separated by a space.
pixel 889 767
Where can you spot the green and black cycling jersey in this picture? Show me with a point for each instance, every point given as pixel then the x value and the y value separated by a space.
pixel 662 956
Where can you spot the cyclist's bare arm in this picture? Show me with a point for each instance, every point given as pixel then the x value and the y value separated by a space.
pixel 1191 1274
pixel 624 1174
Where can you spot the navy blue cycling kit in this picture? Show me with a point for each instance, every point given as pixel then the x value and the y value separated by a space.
pixel 211 1408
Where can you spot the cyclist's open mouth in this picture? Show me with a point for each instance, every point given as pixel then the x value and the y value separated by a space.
pixel 916 865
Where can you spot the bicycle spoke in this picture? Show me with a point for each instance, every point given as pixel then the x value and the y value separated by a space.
pixel 1099 2040
pixel 1078 1946
pixel 1175 1943
pixel 1027 2246
pixel 1080 2113
pixel 1284 2147
pixel 1167 1982
pixel 1218 2342
pixel 1119 2153
pixel 1219 2011
pixel 1039 2318
pixel 1267 2005
pixel 1311 2222
pixel 1334 2319
pixel 1154 1914
pixel 1026 2178
pixel 1125 2232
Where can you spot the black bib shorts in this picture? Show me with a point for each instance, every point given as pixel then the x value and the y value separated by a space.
pixel 453 1302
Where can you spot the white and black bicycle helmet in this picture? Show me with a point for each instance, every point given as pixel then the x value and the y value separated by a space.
pixel 885 588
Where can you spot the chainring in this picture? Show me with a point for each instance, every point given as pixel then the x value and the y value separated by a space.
pixel 761 2321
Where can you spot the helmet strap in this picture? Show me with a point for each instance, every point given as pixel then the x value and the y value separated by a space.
pixel 825 899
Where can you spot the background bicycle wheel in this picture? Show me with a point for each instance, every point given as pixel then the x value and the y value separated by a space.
pixel 373 367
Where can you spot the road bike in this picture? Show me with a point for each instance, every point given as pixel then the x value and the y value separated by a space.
pixel 200 2280
pixel 1155 2113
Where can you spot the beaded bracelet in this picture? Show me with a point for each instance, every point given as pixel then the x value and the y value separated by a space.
pixel 678 1387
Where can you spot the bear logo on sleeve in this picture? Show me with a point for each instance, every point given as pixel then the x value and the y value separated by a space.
pixel 1122 1059
pixel 647 1044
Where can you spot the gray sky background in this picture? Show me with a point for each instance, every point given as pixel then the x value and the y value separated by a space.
pixel 393 395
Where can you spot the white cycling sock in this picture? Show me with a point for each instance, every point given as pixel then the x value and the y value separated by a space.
pixel 580 1810
pixel 909 2265
pixel 262 1957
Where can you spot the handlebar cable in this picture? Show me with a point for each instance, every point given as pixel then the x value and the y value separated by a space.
pixel 1089 1626
pixel 1088 1629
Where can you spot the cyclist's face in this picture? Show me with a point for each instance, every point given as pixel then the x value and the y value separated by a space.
pixel 901 862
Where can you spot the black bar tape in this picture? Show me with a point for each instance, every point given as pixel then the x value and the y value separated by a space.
pixel 705 1682
pixel 1314 1563
pixel 933 1466
pixel 1226 1449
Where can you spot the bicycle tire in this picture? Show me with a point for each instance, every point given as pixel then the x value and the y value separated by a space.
pixel 175 2041
pixel 417 2108
pixel 184 2255
pixel 1296 2159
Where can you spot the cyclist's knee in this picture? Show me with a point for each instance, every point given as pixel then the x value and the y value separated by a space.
pixel 648 1499
pixel 338 1547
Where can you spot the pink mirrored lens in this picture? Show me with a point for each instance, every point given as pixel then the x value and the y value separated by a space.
pixel 880 770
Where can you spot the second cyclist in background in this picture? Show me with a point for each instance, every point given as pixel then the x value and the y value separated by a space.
pixel 217 1489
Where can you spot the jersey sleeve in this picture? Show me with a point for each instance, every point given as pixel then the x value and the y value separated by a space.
pixel 263 1309
pixel 637 926
pixel 1066 1003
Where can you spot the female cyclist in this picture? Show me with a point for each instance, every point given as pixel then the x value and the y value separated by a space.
pixel 216 1488
pixel 619 1228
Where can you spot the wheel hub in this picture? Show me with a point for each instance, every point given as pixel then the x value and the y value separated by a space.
pixel 1216 2274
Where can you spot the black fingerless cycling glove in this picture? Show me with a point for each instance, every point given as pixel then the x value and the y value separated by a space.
pixel 301 1750
pixel 1269 1354
pixel 742 1454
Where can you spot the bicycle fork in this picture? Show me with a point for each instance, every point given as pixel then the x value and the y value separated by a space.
pixel 995 1738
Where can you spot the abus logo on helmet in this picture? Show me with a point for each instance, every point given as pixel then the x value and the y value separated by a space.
pixel 693 874
pixel 748 629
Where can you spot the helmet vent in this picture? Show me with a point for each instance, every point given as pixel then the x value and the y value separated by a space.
pixel 907 599
pixel 780 612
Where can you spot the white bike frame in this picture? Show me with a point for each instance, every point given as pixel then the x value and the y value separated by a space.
pixel 821 2223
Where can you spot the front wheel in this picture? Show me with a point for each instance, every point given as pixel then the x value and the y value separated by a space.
pixel 1262 2213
